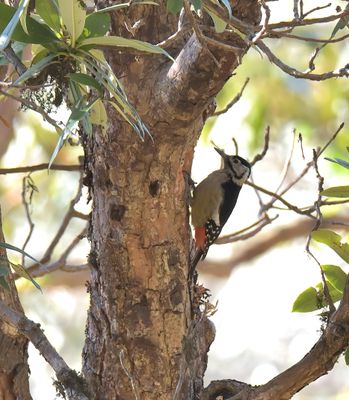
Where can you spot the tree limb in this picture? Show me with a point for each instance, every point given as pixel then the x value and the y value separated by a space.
pixel 72 382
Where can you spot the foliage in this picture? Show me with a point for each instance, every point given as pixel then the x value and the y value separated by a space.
pixel 174 6
pixel 19 269
pixel 65 35
pixel 315 298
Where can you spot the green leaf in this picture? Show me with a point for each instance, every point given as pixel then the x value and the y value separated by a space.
pixel 307 301
pixel 196 4
pixel 336 191
pixel 219 24
pixel 335 294
pixel 227 6
pixel 341 24
pixel 38 33
pixel 335 275
pixel 87 80
pixel 118 41
pixel 7 33
pixel 73 16
pixel 174 6
pixel 17 47
pixel 125 5
pixel 14 248
pixel 346 356
pixel 76 115
pixel 35 68
pixel 23 17
pixel 334 241
pixel 338 161
pixel 22 272
pixel 48 11
pixel 96 24
pixel 98 115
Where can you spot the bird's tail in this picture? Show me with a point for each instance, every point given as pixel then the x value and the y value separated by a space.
pixel 194 262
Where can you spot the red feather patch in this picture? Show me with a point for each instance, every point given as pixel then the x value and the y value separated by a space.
pixel 200 237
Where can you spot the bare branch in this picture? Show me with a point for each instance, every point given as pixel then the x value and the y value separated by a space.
pixel 261 155
pixel 66 220
pixel 316 227
pixel 343 72
pixel 40 167
pixel 232 102
pixel 316 9
pixel 309 21
pixel 27 184
pixel 320 359
pixel 243 234
pixel 73 383
pixel 33 107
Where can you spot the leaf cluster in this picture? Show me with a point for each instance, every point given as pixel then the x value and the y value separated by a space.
pixel 68 39
pixel 314 298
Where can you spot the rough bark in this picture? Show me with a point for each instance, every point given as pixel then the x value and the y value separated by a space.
pixel 140 310
pixel 14 369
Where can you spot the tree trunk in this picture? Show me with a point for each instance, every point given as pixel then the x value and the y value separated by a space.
pixel 14 369
pixel 140 317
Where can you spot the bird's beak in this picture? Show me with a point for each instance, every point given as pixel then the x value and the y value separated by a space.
pixel 221 153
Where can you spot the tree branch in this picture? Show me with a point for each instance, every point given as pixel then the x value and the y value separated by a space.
pixel 320 359
pixel 73 383
pixel 40 167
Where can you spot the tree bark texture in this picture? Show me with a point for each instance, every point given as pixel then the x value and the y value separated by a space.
pixel 14 369
pixel 140 312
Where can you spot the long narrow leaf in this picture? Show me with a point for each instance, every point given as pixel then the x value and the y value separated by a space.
pixel 227 6
pixel 86 80
pixel 8 31
pixel 48 11
pixel 125 5
pixel 38 33
pixel 339 161
pixel 118 41
pixel 76 115
pixel 22 272
pixel 35 68
pixel 23 18
pixel 14 248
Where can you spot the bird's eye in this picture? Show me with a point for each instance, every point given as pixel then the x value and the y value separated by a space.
pixel 236 161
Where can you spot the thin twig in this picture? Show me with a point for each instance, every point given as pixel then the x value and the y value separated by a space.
pixel 287 164
pixel 243 235
pixel 316 227
pixel 281 199
pixel 66 220
pixel 265 23
pixel 316 9
pixel 233 101
pixel 27 184
pixel 261 155
pixel 343 72
pixel 40 167
pixel 33 107
pixel 295 9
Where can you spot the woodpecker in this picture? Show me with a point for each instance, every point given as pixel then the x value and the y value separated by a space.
pixel 214 200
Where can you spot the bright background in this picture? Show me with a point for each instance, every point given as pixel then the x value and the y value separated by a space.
pixel 257 334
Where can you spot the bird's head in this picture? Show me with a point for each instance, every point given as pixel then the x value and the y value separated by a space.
pixel 239 168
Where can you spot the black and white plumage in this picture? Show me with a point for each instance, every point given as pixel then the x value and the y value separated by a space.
pixel 214 200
